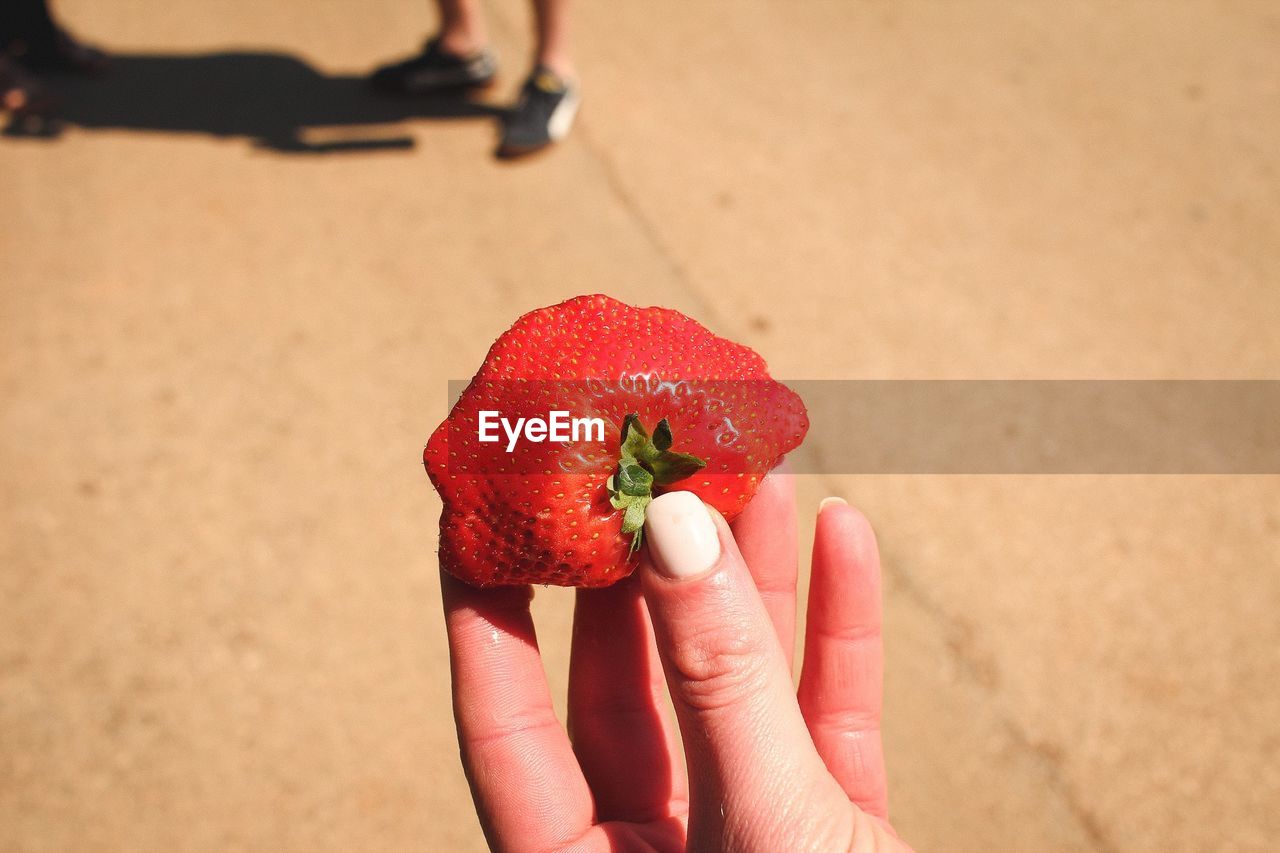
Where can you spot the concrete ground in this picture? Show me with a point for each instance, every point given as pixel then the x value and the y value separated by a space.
pixel 232 291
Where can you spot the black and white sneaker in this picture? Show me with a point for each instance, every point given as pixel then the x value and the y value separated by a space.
pixel 543 115
pixel 435 70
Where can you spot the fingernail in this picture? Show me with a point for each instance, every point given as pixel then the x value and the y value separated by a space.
pixel 682 537
pixel 832 501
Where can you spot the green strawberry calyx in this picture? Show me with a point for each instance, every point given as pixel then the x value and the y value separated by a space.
pixel 645 462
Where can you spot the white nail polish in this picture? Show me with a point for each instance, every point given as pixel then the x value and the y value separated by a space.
pixel 682 537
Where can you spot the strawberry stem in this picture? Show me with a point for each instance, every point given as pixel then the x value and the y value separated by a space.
pixel 645 462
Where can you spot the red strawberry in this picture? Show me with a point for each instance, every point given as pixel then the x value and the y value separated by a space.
pixel 682 409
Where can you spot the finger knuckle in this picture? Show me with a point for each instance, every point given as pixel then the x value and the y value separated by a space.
pixel 718 667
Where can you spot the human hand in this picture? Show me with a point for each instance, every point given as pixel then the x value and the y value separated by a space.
pixel 768 769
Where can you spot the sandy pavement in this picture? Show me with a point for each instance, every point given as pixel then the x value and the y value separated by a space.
pixel 233 289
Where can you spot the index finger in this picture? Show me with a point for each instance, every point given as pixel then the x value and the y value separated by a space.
pixel 524 777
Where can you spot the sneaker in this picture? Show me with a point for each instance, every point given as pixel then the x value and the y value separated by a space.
pixel 435 70
pixel 543 115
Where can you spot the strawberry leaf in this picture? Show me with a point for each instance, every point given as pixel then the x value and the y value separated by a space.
pixel 634 480
pixel 671 467
pixel 662 435
pixel 633 519
pixel 634 439
pixel 645 462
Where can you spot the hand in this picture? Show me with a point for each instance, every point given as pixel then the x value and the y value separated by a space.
pixel 768 769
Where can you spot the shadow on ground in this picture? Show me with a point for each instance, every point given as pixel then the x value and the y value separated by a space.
pixel 273 100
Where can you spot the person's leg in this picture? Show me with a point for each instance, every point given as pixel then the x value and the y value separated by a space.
pixel 552 21
pixel 462 30
pixel 549 100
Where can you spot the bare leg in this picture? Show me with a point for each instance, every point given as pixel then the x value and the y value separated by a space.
pixel 462 30
pixel 552 18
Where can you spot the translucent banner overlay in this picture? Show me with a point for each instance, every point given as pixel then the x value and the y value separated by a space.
pixel 969 426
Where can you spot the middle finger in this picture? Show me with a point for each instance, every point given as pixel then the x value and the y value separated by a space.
pixel 621 732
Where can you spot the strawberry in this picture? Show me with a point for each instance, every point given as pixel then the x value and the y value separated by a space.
pixel 679 406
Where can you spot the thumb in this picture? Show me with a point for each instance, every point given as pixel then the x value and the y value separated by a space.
pixel 752 765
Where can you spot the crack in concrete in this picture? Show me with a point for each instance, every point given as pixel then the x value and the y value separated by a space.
pixel 617 188
pixel 975 667
pixel 1050 761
